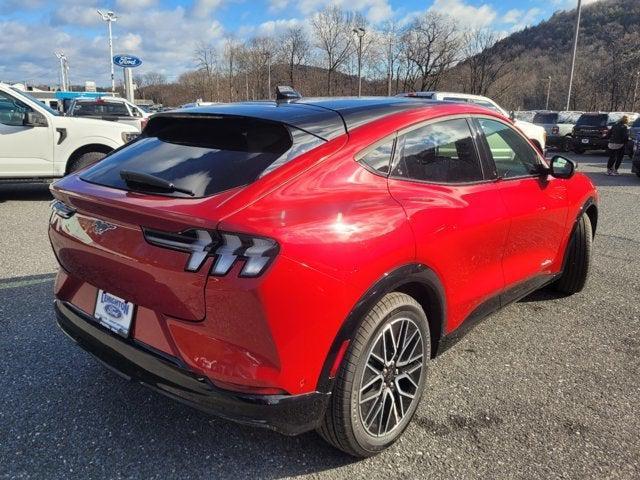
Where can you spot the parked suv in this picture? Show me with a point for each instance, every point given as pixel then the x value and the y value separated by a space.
pixel 37 142
pixel 559 127
pixel 592 130
pixel 536 133
pixel 110 108
pixel 296 265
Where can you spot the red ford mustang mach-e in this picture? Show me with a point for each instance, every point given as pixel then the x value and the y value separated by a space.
pixel 296 265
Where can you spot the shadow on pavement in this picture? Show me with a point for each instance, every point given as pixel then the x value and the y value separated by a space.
pixel 64 415
pixel 24 191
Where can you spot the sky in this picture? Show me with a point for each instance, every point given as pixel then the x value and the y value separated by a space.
pixel 164 33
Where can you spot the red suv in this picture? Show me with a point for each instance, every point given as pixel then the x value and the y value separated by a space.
pixel 296 265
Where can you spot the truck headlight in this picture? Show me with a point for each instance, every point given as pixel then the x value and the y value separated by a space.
pixel 129 136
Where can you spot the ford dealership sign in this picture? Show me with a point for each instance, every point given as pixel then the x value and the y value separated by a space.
pixel 126 61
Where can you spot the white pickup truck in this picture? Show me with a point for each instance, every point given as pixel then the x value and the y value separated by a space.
pixel 37 142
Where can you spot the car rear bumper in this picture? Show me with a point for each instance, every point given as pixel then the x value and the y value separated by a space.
pixel 287 414
pixel 592 143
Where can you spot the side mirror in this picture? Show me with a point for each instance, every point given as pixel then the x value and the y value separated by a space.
pixel 562 167
pixel 34 119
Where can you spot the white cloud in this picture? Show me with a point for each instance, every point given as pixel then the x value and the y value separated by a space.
pixel 133 5
pixel 204 8
pixel 465 14
pixel 375 11
pixel 277 5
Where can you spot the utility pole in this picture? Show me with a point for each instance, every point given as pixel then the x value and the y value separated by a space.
pixel 635 92
pixel 575 50
pixel 269 75
pixel 390 66
pixel 548 93
pixel 110 17
pixel 359 31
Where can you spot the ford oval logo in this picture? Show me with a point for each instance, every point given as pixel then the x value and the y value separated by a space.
pixel 126 61
pixel 113 311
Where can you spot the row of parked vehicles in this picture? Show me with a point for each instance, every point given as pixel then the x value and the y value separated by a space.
pixel 582 131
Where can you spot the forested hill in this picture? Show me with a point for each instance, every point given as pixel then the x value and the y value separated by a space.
pixel 607 63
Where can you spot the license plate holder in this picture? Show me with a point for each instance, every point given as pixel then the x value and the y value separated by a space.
pixel 114 313
pixel 585 140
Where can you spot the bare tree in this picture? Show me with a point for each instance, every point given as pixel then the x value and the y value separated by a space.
pixel 206 58
pixel 484 63
pixel 431 46
pixel 332 27
pixel 295 49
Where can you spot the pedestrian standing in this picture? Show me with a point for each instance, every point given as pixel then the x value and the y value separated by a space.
pixel 617 142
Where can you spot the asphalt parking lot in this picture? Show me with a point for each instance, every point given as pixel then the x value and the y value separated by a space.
pixel 547 388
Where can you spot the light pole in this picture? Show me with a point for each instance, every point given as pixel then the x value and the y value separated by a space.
pixel 359 31
pixel 110 17
pixel 63 79
pixel 546 107
pixel 575 49
pixel 635 92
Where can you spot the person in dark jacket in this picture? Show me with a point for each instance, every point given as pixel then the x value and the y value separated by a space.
pixel 617 141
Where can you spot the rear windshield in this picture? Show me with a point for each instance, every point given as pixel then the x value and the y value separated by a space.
pixel 100 108
pixel 204 155
pixel 636 123
pixel 597 120
pixel 542 118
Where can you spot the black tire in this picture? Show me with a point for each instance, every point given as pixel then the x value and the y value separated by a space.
pixel 577 258
pixel 343 425
pixel 566 144
pixel 85 160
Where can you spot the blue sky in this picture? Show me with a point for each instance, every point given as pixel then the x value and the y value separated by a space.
pixel 164 32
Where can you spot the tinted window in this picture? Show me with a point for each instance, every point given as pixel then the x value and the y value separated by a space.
pixel 100 108
pixel 204 155
pixel 593 120
pixel 512 154
pixel 441 152
pixel 542 118
pixel 379 158
pixel 12 110
pixel 636 123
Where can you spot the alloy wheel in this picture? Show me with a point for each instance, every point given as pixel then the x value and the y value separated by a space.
pixel 391 378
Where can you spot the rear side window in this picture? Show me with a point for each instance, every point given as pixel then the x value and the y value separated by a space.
pixel 379 159
pixel 204 155
pixel 542 118
pixel 442 152
pixel 598 120
pixel 104 108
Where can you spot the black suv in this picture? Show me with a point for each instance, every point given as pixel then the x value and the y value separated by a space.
pixel 592 130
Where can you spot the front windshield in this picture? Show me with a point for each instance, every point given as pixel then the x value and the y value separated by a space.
pixel 34 99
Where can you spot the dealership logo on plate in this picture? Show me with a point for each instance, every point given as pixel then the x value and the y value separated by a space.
pixel 113 311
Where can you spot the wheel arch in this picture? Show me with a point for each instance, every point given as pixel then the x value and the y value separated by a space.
pixel 416 280
pixel 91 147
pixel 591 209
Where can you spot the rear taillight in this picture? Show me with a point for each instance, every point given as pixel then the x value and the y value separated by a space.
pixel 605 131
pixel 256 253
pixel 555 130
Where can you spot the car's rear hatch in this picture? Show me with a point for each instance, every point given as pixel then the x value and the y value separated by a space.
pixel 99 222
